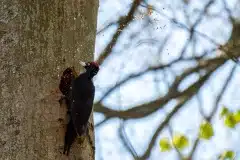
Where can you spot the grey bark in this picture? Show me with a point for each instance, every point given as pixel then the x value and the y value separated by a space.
pixel 38 40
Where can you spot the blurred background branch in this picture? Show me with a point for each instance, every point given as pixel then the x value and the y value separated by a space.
pixel 177 54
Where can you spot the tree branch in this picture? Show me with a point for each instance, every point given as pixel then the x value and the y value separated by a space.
pixel 214 111
pixel 123 23
pixel 150 107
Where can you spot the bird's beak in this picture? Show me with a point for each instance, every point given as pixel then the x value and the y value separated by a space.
pixel 82 63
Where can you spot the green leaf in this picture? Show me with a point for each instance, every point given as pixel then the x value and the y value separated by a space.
pixel 206 130
pixel 228 155
pixel 180 141
pixel 165 144
pixel 224 111
pixel 237 116
pixel 230 121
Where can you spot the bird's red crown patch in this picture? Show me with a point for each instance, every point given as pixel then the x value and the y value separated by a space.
pixel 94 64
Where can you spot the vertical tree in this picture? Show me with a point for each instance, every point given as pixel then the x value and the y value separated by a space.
pixel 38 40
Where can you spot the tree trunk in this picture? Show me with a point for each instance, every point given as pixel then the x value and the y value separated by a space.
pixel 38 40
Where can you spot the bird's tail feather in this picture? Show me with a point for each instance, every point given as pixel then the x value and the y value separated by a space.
pixel 70 137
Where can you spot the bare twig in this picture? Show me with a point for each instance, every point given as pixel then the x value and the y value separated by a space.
pixel 123 23
pixel 126 141
pixel 194 89
pixel 145 109
pixel 214 110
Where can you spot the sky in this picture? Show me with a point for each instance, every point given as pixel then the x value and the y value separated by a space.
pixel 108 144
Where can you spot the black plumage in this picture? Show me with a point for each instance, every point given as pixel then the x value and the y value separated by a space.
pixel 80 95
pixel 70 136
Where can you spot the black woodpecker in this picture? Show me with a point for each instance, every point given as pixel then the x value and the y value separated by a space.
pixel 79 97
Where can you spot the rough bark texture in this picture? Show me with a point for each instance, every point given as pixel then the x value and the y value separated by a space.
pixel 38 40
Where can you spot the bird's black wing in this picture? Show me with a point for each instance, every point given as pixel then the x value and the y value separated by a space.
pixel 81 107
